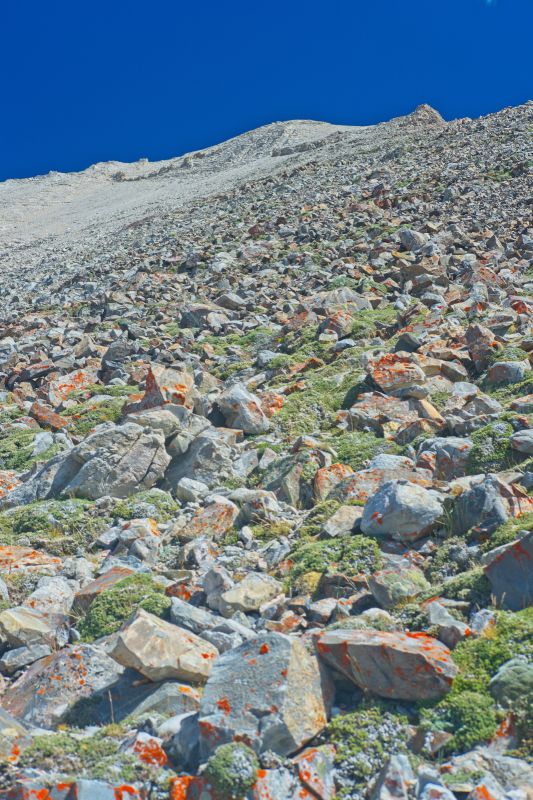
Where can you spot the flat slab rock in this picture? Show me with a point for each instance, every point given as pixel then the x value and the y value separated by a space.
pixel 402 666
pixel 160 650
pixel 49 689
pixel 270 693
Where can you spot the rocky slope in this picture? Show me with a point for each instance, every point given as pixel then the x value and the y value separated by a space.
pixel 266 460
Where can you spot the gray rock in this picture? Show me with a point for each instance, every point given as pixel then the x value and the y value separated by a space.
pixel 512 685
pixel 510 574
pixel 271 692
pixel 241 409
pixel 401 510
pixel 403 666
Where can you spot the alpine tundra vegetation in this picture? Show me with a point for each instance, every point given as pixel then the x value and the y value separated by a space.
pixel 266 464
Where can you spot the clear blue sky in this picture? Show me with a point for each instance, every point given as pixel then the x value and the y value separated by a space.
pixel 86 80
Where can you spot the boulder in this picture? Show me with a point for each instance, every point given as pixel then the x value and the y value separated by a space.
pixel 510 573
pixel 53 686
pixel 401 666
pixel 242 410
pixel 160 650
pixel 249 594
pixel 402 510
pixel 271 694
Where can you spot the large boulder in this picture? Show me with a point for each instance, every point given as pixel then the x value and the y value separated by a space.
pixel 49 690
pixel 510 572
pixel 402 510
pixel 401 666
pixel 242 410
pixel 117 460
pixel 270 693
pixel 160 650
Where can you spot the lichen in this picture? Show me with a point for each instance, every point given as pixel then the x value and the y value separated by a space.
pixel 112 607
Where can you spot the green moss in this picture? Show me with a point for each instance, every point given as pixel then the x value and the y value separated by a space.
pixel 358 447
pixel 61 527
pixel 313 408
pixel 367 321
pixel 232 770
pixel 315 519
pixel 86 416
pixel 479 659
pixel 153 503
pixel 507 532
pixel 98 757
pixel 468 711
pixel 469 716
pixel 364 740
pixel 491 451
pixel 506 394
pixel 16 449
pixel 271 530
pixel 350 555
pixel 471 586
pixel 112 607
pixel 98 389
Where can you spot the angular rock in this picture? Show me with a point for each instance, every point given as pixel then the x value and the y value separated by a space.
pixel 271 694
pixel 402 666
pixel 401 510
pixel 242 410
pixel 160 650
pixel 50 689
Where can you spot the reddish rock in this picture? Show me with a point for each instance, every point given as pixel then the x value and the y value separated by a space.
pixel 46 417
pixel 402 666
pixel 61 388
pixel 327 478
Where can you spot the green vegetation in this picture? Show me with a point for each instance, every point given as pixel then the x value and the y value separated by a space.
pixel 358 447
pixel 61 527
pixel 491 451
pixel 367 321
pixel 16 449
pixel 87 415
pixel 232 770
pixel 271 530
pixel 468 711
pixel 153 503
pixel 98 757
pixel 364 740
pixel 112 607
pixel 315 519
pixel 351 555
pixel 469 716
pixel 471 586
pixel 507 532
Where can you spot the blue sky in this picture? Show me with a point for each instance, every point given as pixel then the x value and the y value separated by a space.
pixel 86 80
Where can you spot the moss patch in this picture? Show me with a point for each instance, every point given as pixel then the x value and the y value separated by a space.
pixel 232 770
pixel 154 504
pixel 364 740
pixel 469 712
pixel 86 416
pixel 350 555
pixel 111 608
pixel 61 527
pixel 491 451
pixel 16 449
